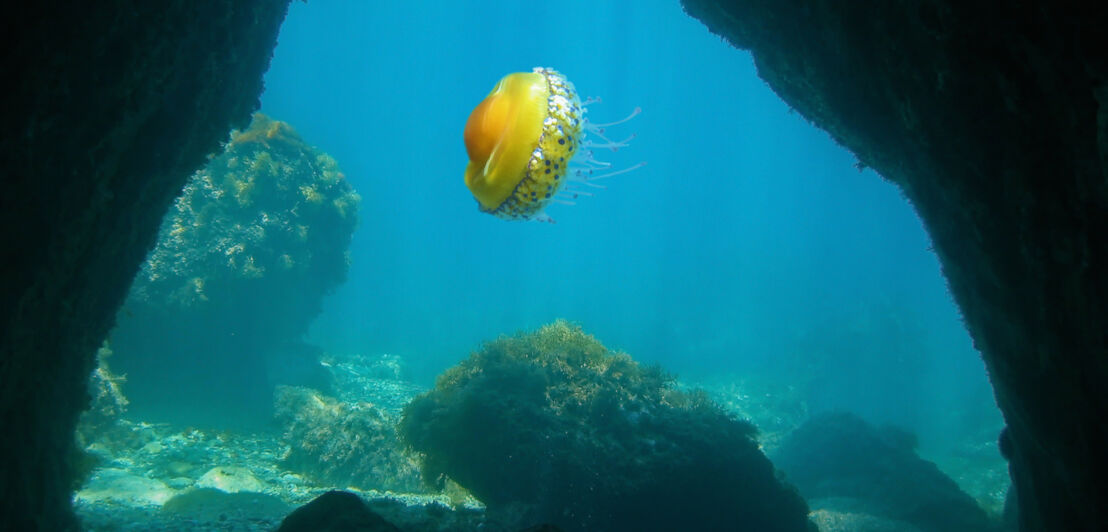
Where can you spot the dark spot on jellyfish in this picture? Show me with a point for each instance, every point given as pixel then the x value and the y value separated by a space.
pixel 561 141
pixel 555 167
pixel 560 159
pixel 548 194
pixel 571 148
pixel 556 176
pixel 548 162
pixel 548 170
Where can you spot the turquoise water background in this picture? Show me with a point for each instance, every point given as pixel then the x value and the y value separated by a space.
pixel 749 241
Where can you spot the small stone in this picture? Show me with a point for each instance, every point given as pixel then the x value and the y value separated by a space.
pixel 230 479
pixel 119 486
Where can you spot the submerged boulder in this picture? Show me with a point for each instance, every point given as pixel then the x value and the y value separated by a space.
pixel 845 466
pixel 552 427
pixel 336 511
pixel 243 260
pixel 342 444
pixel 208 507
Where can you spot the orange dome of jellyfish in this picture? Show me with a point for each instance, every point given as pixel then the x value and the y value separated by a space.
pixel 521 140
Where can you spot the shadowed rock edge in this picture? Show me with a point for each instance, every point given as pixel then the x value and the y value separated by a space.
pixel 110 107
pixel 994 123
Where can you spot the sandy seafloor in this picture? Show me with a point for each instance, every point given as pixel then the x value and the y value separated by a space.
pixel 248 488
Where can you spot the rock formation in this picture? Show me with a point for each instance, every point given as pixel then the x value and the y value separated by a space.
pixel 552 427
pixel 110 106
pixel 216 316
pixel 994 122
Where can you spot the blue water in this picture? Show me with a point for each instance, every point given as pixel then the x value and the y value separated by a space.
pixel 747 242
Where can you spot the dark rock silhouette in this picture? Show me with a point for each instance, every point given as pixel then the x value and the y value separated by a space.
pixel 336 511
pixel 109 107
pixel 841 463
pixel 994 123
pixel 993 120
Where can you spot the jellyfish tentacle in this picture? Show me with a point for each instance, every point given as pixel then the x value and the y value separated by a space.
pixel 587 181
pixel 577 192
pixel 617 172
pixel 601 127
pixel 587 160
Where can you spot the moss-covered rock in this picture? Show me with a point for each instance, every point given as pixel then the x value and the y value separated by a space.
pixel 553 427
pixel 243 260
pixel 343 444
pixel 270 212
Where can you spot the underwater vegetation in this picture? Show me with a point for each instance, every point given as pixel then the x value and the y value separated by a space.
pixel 552 427
pixel 108 402
pixel 100 420
pixel 243 260
pixel 343 444
pixel 270 209
pixel 843 465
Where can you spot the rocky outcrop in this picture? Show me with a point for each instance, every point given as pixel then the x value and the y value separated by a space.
pixel 994 122
pixel 336 511
pixel 246 254
pixel 110 106
pixel 843 465
pixel 337 443
pixel 552 427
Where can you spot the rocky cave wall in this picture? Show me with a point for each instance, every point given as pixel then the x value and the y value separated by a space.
pixel 110 106
pixel 993 120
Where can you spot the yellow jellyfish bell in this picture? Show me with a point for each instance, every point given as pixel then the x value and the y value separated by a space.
pixel 520 140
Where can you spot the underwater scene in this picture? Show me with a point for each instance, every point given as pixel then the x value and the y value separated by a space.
pixel 539 266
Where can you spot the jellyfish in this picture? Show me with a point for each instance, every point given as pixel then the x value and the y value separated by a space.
pixel 527 146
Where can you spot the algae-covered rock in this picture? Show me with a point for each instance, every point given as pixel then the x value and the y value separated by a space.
pixel 343 444
pixel 243 260
pixel 269 211
pixel 108 402
pixel 552 427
